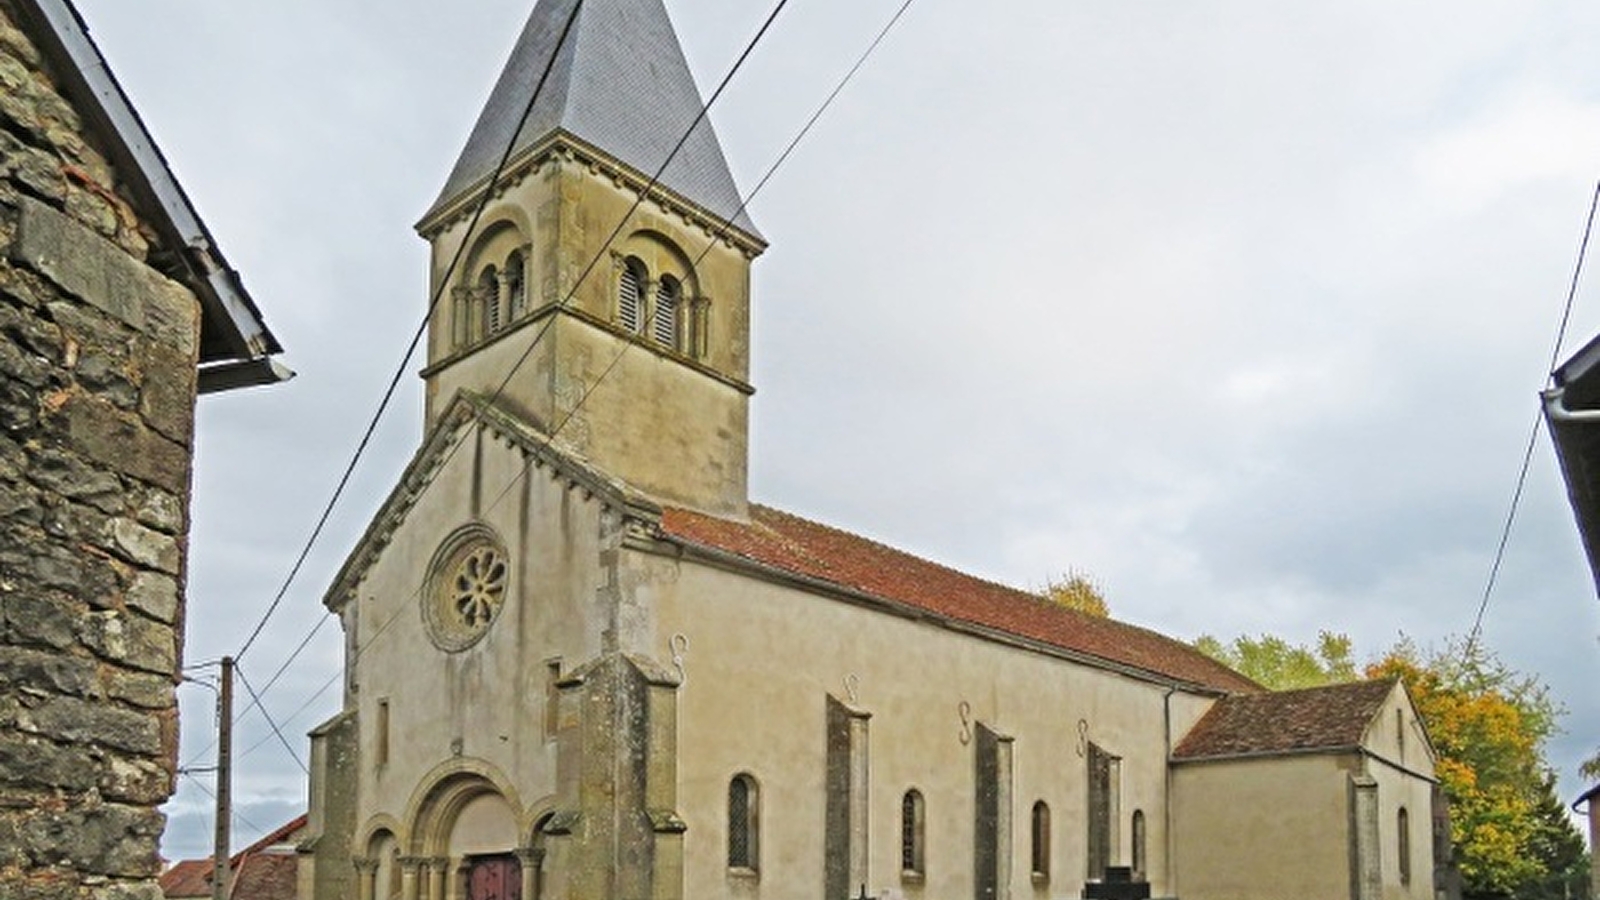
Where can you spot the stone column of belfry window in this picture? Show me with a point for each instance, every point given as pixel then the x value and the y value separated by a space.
pixel 460 315
pixel 366 877
pixel 410 869
pixel 524 302
pixel 647 306
pixel 531 859
pixel 438 874
pixel 697 343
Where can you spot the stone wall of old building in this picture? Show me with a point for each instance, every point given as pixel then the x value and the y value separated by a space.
pixel 97 387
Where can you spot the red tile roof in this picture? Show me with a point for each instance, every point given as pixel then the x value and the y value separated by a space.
pixel 187 878
pixel 805 548
pixel 1325 718
pixel 269 875
pixel 260 872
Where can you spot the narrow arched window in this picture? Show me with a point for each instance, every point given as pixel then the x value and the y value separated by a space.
pixel 630 295
pixel 1141 848
pixel 516 277
pixel 913 822
pixel 1041 839
pixel 489 301
pixel 1404 837
pixel 744 823
pixel 665 327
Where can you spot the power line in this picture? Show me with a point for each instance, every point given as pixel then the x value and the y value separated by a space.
pixel 1533 435
pixel 237 816
pixel 416 340
pixel 275 729
pixel 655 180
pixel 723 229
pixel 721 232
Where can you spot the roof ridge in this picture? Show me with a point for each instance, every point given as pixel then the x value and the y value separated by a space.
pixel 783 541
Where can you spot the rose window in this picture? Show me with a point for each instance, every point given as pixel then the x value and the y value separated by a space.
pixel 467 589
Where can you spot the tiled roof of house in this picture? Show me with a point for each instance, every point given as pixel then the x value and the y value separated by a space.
pixel 1324 718
pixel 270 875
pixel 265 870
pixel 807 549
pixel 187 878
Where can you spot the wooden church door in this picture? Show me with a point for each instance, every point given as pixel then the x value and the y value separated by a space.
pixel 495 878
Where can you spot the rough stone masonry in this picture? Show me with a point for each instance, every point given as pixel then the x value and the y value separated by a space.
pixel 97 390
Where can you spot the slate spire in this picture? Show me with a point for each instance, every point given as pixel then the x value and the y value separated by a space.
pixel 620 84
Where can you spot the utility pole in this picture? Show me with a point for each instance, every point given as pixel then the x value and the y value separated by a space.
pixel 219 851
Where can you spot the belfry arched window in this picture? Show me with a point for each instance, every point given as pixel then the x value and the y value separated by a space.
pixel 516 278
pixel 669 293
pixel 489 302
pixel 630 295
pixel 744 824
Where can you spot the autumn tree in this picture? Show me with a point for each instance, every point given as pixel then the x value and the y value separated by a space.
pixel 1275 663
pixel 1077 590
pixel 1488 725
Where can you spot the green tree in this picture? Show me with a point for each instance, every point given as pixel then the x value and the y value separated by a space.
pixel 1275 663
pixel 1077 590
pixel 1488 725
pixel 1559 849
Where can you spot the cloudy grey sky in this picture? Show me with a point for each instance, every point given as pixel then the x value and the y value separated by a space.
pixel 1239 305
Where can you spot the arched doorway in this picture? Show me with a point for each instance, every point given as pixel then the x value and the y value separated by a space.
pixel 484 838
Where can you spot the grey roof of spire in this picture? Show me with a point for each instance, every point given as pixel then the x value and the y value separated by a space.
pixel 619 83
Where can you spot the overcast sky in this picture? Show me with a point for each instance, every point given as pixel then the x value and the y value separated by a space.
pixel 1241 307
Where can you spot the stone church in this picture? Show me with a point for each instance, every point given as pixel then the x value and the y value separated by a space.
pixel 582 664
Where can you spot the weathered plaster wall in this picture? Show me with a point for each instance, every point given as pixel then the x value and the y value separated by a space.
pixel 762 660
pixel 97 381
pixel 482 708
pixel 1222 809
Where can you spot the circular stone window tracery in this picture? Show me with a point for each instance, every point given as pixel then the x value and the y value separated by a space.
pixel 467 586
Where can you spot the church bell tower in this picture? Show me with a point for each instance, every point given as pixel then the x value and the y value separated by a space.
pixel 604 294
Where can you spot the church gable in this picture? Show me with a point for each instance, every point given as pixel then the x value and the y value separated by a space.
pixel 471 418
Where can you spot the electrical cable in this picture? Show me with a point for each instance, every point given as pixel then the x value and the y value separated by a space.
pixel 237 816
pixel 416 340
pixel 655 180
pixel 723 229
pixel 275 729
pixel 1533 436
pixel 719 235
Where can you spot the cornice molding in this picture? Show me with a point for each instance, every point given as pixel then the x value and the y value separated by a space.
pixel 465 412
pixel 562 148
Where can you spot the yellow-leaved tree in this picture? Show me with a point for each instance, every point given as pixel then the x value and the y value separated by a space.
pixel 1488 725
pixel 1077 590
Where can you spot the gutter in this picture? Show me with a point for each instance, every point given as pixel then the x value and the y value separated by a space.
pixel 62 34
pixel 1555 408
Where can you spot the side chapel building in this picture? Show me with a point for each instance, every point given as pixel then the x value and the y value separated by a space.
pixel 582 664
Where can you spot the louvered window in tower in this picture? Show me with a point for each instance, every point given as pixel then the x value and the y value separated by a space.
pixel 665 326
pixel 630 291
pixel 489 291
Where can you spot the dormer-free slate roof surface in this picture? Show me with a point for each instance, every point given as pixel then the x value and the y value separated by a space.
pixel 1324 718
pixel 854 564
pixel 619 83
